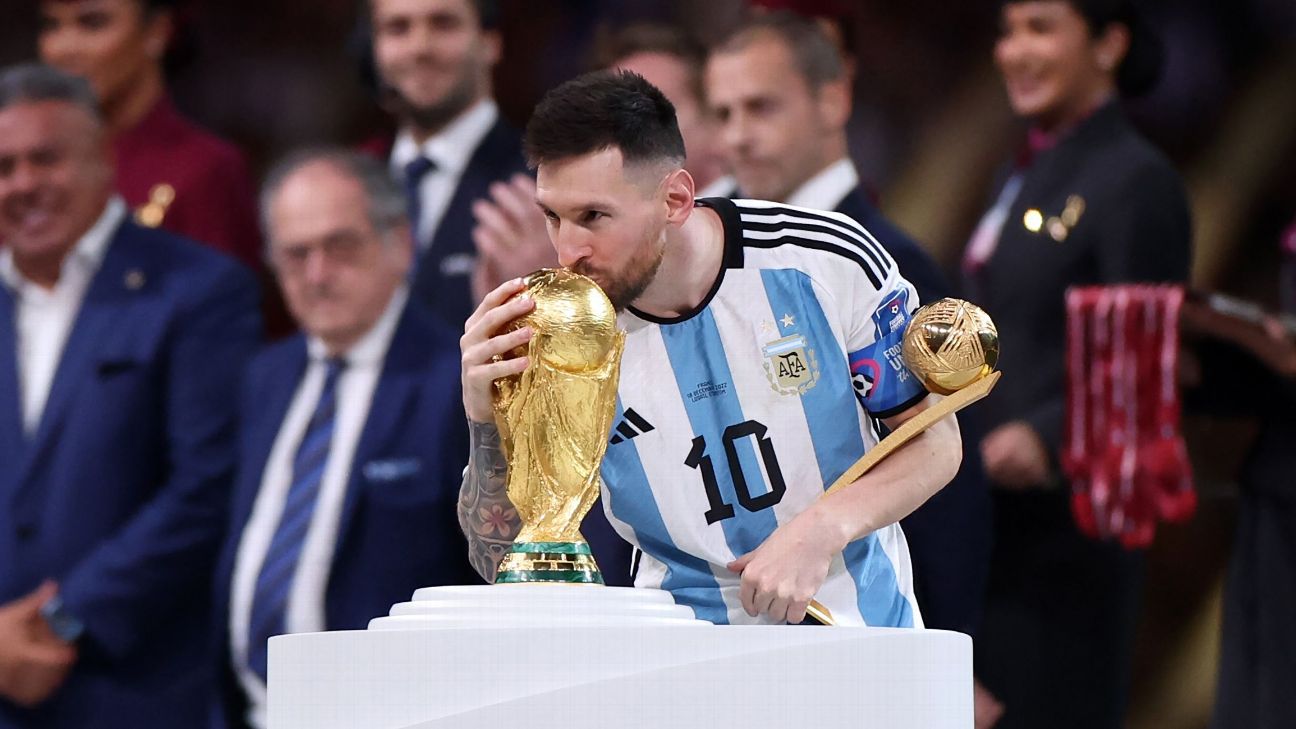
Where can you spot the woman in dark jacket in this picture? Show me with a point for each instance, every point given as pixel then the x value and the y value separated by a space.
pixel 1088 201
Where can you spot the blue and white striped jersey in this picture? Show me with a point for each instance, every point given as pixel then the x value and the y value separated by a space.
pixel 735 417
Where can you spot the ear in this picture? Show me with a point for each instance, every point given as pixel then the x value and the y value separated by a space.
pixel 1111 46
pixel 679 196
pixel 159 27
pixel 834 100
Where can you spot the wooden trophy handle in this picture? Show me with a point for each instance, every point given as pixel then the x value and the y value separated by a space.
pixel 898 437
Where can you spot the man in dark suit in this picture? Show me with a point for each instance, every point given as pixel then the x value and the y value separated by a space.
pixel 351 445
pixel 116 428
pixel 782 94
pixel 432 61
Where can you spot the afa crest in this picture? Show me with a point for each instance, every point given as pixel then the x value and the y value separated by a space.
pixel 791 365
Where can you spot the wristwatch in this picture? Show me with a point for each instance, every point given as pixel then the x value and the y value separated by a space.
pixel 62 623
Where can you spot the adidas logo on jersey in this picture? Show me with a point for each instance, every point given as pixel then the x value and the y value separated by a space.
pixel 631 425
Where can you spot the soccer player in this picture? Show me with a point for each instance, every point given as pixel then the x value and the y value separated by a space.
pixel 760 340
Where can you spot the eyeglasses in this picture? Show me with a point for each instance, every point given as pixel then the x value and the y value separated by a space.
pixel 340 249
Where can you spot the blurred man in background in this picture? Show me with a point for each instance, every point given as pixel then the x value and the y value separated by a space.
pixel 172 173
pixel 433 61
pixel 351 445
pixel 117 344
pixel 782 95
pixel 453 151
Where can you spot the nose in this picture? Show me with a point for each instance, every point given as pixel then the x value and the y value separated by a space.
pixel 24 178
pixel 572 245
pixel 1008 50
pixel 316 268
pixel 58 47
pixel 735 133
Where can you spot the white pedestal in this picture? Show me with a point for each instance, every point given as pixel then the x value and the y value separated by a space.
pixel 580 657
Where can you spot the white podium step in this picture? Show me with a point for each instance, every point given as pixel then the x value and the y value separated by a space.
pixel 580 657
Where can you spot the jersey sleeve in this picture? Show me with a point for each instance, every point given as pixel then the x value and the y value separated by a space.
pixel 876 323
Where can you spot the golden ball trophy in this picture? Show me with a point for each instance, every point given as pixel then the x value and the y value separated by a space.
pixel 554 421
pixel 952 347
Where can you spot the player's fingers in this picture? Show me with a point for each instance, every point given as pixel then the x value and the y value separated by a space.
pixel 492 320
pixel 496 347
pixel 762 600
pixel 778 609
pixel 740 564
pixel 494 299
pixel 796 611
pixel 747 593
pixel 503 368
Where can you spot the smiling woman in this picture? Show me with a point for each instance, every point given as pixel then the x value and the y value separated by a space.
pixel 173 174
pixel 1088 201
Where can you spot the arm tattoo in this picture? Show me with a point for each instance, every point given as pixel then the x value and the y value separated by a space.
pixel 486 515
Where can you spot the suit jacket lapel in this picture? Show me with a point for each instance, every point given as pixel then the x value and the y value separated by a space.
pixel 12 441
pixel 113 290
pixel 392 404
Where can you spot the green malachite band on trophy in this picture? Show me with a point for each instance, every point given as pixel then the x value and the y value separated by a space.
pixel 569 562
pixel 550 548
pixel 580 577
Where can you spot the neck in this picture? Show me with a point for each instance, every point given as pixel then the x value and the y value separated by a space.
pixel 689 267
pixel 128 110
pixel 1067 116
pixel 423 133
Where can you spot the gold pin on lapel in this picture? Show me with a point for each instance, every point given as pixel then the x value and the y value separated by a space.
pixel 134 279
pixel 1033 220
pixel 151 213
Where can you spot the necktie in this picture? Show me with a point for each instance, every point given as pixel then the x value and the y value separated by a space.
pixel 415 171
pixel 274 583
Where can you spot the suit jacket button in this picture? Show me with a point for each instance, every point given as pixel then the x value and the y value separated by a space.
pixel 26 531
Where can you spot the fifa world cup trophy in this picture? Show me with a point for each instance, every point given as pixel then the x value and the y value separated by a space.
pixel 554 420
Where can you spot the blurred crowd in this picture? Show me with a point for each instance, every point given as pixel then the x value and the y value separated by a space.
pixel 229 363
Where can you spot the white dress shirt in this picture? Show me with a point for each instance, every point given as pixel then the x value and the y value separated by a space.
pixel 451 150
pixel 826 190
pixel 305 608
pixel 44 317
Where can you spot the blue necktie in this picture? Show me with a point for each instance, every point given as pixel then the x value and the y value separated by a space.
pixel 415 171
pixel 270 599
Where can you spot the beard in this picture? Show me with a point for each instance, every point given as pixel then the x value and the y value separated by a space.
pixel 629 284
pixel 436 115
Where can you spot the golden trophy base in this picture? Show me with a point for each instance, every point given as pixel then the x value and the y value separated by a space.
pixel 569 562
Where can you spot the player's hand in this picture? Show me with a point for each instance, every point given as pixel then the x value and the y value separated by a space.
pixel 1015 456
pixel 782 575
pixel 480 345
pixel 510 234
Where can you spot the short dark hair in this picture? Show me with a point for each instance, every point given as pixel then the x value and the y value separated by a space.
pixel 1140 69
pixel 817 58
pixel 601 110
pixel 612 46
pixel 34 82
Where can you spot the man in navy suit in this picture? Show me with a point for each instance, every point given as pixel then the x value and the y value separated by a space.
pixel 116 428
pixel 351 443
pixel 783 97
pixel 432 62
